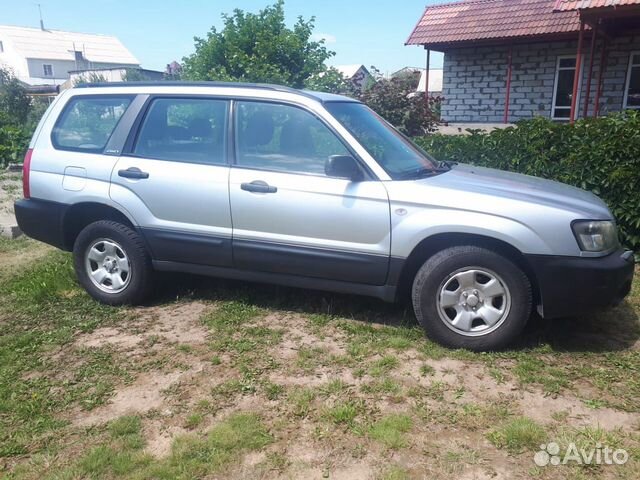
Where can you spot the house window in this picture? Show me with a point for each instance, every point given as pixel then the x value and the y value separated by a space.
pixel 47 69
pixel 563 88
pixel 632 90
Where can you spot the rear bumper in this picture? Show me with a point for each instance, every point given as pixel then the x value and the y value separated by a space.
pixel 42 220
pixel 570 286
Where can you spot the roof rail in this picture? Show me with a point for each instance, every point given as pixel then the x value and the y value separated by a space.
pixel 317 96
pixel 180 83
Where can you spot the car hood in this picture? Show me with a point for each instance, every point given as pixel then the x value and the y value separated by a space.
pixel 506 186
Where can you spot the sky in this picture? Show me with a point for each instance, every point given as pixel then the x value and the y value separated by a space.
pixel 159 31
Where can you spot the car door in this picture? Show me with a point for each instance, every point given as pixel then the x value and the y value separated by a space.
pixel 289 217
pixel 174 180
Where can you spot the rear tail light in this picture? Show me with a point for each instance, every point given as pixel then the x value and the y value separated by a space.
pixel 26 170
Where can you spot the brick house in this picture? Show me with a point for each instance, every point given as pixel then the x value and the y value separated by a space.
pixel 507 60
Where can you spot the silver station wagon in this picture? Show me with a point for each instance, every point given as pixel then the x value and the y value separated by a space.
pixel 269 184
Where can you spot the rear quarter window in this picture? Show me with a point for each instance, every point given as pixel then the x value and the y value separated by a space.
pixel 86 123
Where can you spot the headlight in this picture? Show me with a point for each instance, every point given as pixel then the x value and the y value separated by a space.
pixel 596 235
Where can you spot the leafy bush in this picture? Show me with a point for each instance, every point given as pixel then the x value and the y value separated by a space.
pixel 17 118
pixel 396 100
pixel 600 155
pixel 13 143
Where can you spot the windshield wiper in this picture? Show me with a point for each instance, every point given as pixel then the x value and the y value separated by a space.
pixel 422 172
pixel 446 164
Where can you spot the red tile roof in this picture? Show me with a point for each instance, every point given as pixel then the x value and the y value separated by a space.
pixel 473 20
pixel 564 5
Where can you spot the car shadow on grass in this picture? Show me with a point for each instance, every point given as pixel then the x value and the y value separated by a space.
pixel 604 331
pixel 607 330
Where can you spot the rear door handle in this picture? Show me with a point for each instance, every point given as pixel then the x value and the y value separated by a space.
pixel 133 173
pixel 258 186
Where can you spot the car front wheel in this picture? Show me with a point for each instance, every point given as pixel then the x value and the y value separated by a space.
pixel 471 297
pixel 112 263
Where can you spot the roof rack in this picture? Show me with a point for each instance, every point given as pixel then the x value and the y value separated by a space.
pixel 180 83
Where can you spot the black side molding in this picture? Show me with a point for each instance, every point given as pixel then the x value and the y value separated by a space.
pixel 185 247
pixel 383 292
pixel 303 261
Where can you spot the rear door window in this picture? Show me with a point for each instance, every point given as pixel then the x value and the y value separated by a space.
pixel 86 123
pixel 191 130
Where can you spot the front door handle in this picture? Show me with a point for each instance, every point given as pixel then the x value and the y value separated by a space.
pixel 258 186
pixel 133 173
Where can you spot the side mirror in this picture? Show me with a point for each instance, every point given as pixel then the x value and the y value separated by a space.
pixel 343 166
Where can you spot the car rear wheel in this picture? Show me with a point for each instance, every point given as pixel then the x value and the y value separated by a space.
pixel 471 297
pixel 112 263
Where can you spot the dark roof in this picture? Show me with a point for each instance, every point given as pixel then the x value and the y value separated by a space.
pixel 564 5
pixel 476 20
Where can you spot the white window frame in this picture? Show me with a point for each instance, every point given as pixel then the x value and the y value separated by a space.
pixel 627 84
pixel 44 72
pixel 555 87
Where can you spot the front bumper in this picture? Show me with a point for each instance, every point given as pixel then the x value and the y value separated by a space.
pixel 570 286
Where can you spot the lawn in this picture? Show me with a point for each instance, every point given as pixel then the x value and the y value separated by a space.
pixel 223 379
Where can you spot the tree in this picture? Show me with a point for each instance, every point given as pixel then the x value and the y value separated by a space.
pixel 14 102
pixel 398 102
pixel 15 108
pixel 331 81
pixel 259 47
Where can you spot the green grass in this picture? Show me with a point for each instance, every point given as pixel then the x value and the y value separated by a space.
pixel 346 412
pixel 391 430
pixel 193 421
pixel 21 243
pixel 386 386
pixel 395 472
pixel 121 455
pixel 383 365
pixel 301 401
pixel 45 375
pixel 530 369
pixel 518 435
pixel 47 309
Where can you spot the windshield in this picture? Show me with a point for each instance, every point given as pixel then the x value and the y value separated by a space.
pixel 394 152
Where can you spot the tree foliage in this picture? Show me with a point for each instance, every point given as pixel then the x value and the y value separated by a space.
pixel 258 47
pixel 14 102
pixel 397 101
pixel 19 116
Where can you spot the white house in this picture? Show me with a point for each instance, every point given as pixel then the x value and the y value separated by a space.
pixel 435 81
pixel 45 57
pixel 357 74
pixel 435 78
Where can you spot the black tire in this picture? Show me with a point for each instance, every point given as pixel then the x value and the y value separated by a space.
pixel 139 279
pixel 438 270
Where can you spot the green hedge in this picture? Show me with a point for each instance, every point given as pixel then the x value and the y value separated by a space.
pixel 600 155
pixel 13 144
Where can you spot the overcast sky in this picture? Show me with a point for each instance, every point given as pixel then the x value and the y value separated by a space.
pixel 157 32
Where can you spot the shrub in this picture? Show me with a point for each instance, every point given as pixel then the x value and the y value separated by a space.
pixel 18 118
pixel 600 155
pixel 13 144
pixel 396 100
